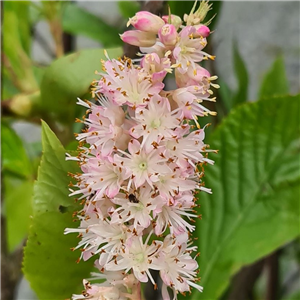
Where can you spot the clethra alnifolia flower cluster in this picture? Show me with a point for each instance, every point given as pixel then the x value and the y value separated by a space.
pixel 142 160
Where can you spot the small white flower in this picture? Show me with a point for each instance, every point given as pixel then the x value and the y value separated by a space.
pixel 138 257
pixel 179 267
pixel 139 210
pixel 142 165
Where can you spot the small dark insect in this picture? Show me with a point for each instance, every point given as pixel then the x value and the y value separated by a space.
pixel 89 197
pixel 62 209
pixel 133 199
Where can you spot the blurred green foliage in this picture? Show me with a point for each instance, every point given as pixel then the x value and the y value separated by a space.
pixel 68 78
pixel 80 22
pixel 128 8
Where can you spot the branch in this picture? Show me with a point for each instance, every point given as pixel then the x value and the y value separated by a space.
pixel 57 33
pixel 244 281
pixel 272 264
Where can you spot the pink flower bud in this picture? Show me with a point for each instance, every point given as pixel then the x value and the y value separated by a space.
pixel 138 38
pixel 168 35
pixel 198 73
pixel 146 21
pixel 193 76
pixel 202 30
pixel 175 20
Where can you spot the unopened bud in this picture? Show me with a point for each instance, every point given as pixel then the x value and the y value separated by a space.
pixel 198 73
pixel 202 30
pixel 24 104
pixel 174 20
pixel 146 21
pixel 138 38
pixel 168 35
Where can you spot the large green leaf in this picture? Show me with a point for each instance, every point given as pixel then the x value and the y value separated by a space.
pixel 70 77
pixel 79 21
pixel 275 82
pixel 255 181
pixel 18 208
pixel 14 157
pixel 49 264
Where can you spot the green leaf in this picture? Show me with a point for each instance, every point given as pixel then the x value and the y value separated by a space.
pixel 79 21
pixel 128 8
pixel 241 94
pixel 70 77
pixel 14 157
pixel 275 82
pixel 254 208
pixel 49 264
pixel 18 207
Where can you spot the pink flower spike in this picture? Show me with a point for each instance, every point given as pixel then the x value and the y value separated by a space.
pixel 138 38
pixel 202 30
pixel 142 161
pixel 146 21
pixel 168 35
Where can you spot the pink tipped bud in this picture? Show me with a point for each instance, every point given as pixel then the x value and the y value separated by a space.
pixel 138 38
pixel 168 35
pixel 198 74
pixel 202 30
pixel 175 20
pixel 146 21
